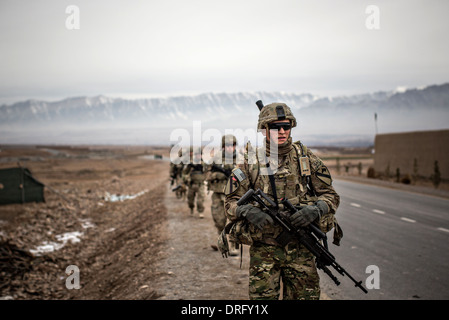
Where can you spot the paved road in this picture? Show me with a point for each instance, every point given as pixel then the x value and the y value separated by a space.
pixel 404 234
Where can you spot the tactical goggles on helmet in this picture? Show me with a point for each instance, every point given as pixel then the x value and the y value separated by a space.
pixel 280 125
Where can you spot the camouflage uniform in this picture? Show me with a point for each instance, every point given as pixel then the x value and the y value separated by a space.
pixel 193 176
pixel 217 176
pixel 176 170
pixel 269 262
pixel 175 173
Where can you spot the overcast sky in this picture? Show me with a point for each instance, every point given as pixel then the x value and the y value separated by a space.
pixel 169 47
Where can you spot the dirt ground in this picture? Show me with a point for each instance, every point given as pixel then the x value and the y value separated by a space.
pixel 110 212
pixel 147 247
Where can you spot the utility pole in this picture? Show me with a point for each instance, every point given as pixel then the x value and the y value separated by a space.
pixel 375 121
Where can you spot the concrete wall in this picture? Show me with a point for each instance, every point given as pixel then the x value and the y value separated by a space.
pixel 398 150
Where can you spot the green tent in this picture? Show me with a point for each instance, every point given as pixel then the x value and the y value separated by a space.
pixel 17 185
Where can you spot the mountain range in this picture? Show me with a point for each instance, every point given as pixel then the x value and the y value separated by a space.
pixel 341 121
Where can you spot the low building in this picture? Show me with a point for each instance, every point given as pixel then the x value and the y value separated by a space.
pixel 413 153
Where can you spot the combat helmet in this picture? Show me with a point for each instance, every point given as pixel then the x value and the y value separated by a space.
pixel 272 112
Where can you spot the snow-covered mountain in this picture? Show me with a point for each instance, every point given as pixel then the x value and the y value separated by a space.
pixel 345 120
pixel 103 110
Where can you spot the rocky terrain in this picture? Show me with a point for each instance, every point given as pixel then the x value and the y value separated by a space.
pixel 110 213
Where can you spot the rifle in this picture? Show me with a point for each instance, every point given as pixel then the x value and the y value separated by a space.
pixel 309 237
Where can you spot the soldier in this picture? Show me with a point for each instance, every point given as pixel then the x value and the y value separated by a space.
pixel 193 176
pixel 296 174
pixel 217 176
pixel 176 176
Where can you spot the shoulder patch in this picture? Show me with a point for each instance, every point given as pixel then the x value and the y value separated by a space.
pixel 238 173
pixel 232 185
pixel 324 175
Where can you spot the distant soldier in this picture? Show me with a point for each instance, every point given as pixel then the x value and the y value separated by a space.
pixel 217 176
pixel 194 176
pixel 176 176
pixel 293 172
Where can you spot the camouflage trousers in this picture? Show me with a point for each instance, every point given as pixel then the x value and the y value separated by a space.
pixel 294 264
pixel 196 190
pixel 218 211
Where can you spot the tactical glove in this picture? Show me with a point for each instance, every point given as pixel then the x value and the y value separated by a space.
pixel 254 215
pixel 305 215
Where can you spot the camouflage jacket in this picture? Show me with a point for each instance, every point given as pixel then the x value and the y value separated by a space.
pixel 218 172
pixel 176 170
pixel 289 183
pixel 194 173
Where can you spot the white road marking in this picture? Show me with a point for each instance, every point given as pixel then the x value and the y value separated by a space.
pixel 443 229
pixel 355 205
pixel 378 211
pixel 408 220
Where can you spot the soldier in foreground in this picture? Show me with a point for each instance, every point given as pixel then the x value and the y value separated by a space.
pixel 193 176
pixel 217 176
pixel 290 171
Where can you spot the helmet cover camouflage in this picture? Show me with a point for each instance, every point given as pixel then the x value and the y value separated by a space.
pixel 273 112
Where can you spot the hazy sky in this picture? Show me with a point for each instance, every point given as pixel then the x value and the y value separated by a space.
pixel 167 47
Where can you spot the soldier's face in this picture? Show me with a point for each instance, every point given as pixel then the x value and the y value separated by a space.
pixel 229 148
pixel 279 131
